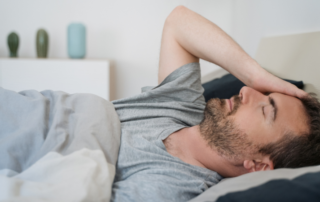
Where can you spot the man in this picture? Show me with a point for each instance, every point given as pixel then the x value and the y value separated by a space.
pixel 174 145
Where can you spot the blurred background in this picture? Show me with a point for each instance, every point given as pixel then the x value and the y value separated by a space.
pixel 128 32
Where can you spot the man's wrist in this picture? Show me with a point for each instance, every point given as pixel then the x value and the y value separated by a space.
pixel 249 73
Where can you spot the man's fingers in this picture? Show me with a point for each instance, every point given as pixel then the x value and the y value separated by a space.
pixel 296 92
pixel 266 82
pixel 301 94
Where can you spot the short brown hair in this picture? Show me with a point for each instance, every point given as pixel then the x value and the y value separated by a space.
pixel 293 150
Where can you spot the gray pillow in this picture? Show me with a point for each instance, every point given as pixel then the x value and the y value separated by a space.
pixel 251 180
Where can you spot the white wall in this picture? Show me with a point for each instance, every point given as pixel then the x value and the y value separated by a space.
pixel 254 19
pixel 127 32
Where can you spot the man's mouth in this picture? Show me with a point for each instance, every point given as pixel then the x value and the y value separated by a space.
pixel 230 104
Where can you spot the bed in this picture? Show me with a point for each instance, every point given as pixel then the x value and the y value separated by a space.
pixel 58 166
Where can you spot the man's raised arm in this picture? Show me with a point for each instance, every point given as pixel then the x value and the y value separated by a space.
pixel 187 36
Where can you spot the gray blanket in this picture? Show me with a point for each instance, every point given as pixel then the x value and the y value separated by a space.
pixel 34 123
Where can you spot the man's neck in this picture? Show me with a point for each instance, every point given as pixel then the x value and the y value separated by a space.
pixel 184 145
pixel 189 145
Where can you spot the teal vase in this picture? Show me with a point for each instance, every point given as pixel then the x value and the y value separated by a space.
pixel 76 40
pixel 42 42
pixel 13 43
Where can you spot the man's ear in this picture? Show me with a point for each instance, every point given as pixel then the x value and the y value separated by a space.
pixel 259 164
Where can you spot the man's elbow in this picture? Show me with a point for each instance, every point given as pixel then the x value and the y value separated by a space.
pixel 176 14
pixel 179 9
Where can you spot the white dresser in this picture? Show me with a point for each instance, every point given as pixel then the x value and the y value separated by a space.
pixel 68 75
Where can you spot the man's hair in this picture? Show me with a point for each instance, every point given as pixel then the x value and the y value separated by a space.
pixel 298 150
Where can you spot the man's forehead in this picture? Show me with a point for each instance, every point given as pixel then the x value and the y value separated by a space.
pixel 291 112
pixel 286 99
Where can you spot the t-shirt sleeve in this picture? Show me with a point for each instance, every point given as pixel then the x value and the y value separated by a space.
pixel 182 85
pixel 178 98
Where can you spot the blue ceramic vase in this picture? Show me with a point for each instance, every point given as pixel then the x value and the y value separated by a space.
pixel 76 40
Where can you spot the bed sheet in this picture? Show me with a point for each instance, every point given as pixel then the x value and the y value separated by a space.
pixel 57 147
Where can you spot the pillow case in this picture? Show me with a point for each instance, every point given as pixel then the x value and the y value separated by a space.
pixel 228 86
pixel 285 184
pixel 302 188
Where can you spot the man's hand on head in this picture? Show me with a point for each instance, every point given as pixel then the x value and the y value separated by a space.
pixel 266 82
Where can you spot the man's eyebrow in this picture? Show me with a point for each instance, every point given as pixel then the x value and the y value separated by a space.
pixel 273 103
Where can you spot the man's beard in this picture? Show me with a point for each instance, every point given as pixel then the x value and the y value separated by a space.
pixel 220 131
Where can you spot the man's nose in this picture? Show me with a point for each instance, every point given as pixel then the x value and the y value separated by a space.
pixel 248 94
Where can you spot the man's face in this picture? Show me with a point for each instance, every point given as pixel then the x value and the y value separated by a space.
pixel 245 123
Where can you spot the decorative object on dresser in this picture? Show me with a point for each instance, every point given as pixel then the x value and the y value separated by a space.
pixel 42 42
pixel 13 43
pixel 76 40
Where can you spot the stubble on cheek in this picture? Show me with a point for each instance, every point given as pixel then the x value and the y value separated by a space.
pixel 220 131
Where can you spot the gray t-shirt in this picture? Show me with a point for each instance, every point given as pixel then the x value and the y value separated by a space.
pixel 145 170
